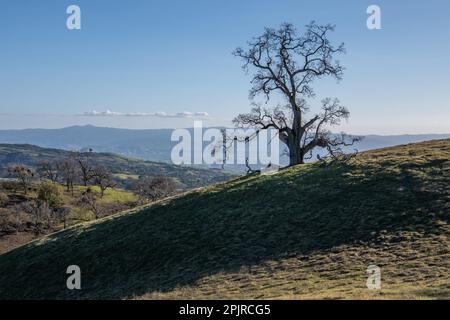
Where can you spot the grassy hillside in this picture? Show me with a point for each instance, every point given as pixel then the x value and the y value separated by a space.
pixel 309 231
pixel 124 169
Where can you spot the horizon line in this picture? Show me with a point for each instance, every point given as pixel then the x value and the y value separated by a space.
pixel 208 127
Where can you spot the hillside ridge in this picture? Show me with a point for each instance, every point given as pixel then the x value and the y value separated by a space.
pixel 189 177
pixel 309 231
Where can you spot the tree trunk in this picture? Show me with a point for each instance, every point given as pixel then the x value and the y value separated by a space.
pixel 296 153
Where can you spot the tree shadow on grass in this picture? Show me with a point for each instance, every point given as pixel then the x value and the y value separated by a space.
pixel 174 244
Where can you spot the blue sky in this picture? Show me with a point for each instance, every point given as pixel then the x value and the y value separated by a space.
pixel 175 56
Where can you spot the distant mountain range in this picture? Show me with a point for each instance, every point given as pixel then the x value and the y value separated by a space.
pixel 152 144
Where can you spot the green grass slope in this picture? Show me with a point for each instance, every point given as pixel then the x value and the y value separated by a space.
pixel 309 231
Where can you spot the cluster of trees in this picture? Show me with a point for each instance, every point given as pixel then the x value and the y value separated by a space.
pixel 36 201
pixel 38 214
pixel 77 168
pixel 46 210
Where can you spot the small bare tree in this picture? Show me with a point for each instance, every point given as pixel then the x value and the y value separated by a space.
pixel 13 218
pixel 48 170
pixel 41 214
pixel 63 213
pixel 89 199
pixel 103 179
pixel 86 170
pixel 287 63
pixel 69 173
pixel 23 174
pixel 155 187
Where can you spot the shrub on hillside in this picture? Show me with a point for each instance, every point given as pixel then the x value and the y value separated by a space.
pixel 3 199
pixel 42 216
pixel 49 193
pixel 11 185
pixel 78 215
pixel 5 221
pixel 14 219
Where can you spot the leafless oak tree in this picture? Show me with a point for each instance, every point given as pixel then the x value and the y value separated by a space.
pixel 89 199
pixel 102 178
pixel 86 170
pixel 40 213
pixel 69 173
pixel 155 187
pixel 287 63
pixel 48 169
pixel 23 174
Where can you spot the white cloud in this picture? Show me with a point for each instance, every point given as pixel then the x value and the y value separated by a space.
pixel 109 113
pixel 202 114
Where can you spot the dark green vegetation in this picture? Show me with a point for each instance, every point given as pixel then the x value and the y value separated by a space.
pixel 125 170
pixel 309 231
